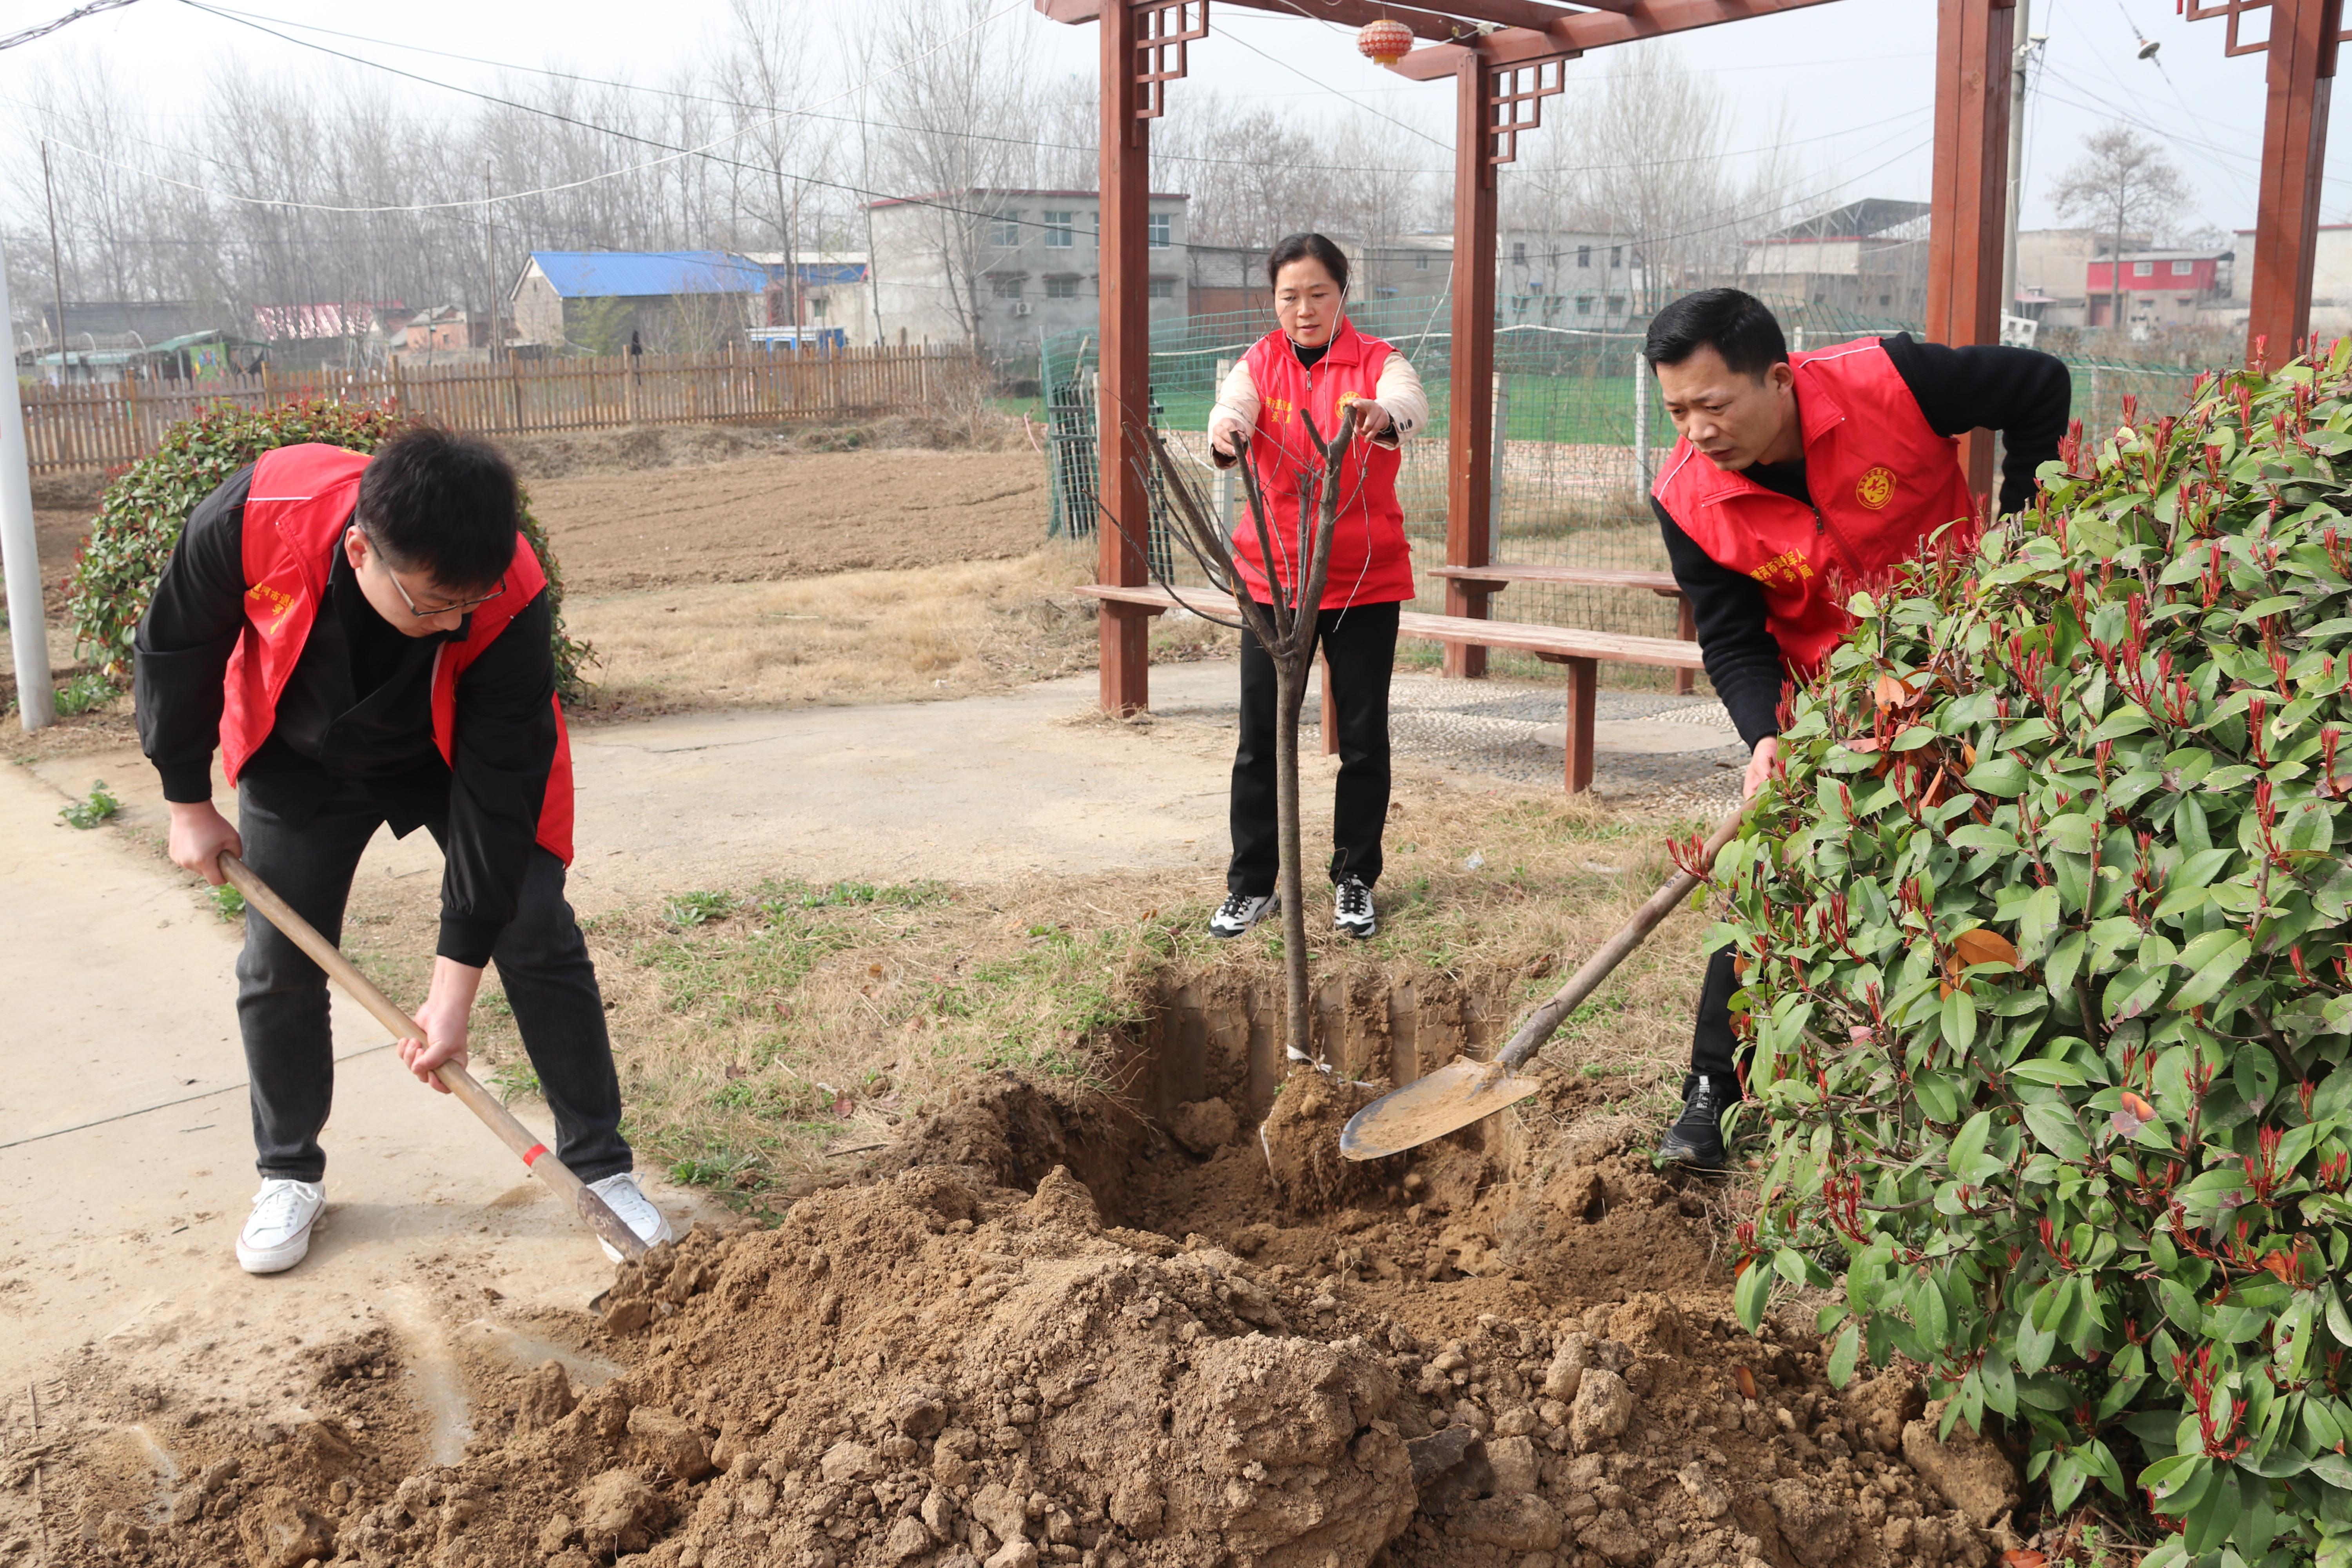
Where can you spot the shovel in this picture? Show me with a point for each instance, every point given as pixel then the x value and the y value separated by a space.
pixel 594 1210
pixel 1462 1091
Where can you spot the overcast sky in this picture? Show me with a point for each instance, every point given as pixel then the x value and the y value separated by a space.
pixel 1848 81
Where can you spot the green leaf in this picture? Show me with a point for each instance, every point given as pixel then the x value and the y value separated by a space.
pixel 1967 1157
pixel 2072 834
pixel 2055 1127
pixel 1959 1019
pixel 1752 1295
pixel 1999 776
pixel 1844 1354
pixel 2060 1074
pixel 2212 960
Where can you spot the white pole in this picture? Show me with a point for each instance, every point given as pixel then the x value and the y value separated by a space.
pixel 1641 418
pixel 2020 58
pixel 28 636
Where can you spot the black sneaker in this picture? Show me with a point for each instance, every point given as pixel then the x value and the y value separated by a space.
pixel 1352 909
pixel 1697 1137
pixel 1242 911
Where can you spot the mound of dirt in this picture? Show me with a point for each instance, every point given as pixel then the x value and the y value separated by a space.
pixel 936 1367
pixel 637 447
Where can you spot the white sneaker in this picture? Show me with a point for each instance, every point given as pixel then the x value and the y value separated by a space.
pixel 277 1235
pixel 1352 909
pixel 1242 911
pixel 628 1200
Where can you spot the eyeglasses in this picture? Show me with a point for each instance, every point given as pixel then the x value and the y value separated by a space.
pixel 425 615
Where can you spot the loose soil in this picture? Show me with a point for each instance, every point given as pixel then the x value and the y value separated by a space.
pixel 1048 1330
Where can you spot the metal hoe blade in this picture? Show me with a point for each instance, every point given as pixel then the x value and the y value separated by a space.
pixel 1452 1098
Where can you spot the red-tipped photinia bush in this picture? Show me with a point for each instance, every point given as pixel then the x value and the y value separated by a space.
pixel 2045 933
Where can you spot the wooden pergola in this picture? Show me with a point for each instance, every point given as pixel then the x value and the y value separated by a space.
pixel 1504 58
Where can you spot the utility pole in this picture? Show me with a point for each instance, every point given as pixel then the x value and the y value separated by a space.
pixel 57 272
pixel 2023 57
pixel 20 558
pixel 490 262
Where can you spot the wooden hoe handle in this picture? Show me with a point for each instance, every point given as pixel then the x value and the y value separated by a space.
pixel 593 1209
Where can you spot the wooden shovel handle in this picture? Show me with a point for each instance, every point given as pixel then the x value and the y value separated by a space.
pixel 590 1208
pixel 1540 1024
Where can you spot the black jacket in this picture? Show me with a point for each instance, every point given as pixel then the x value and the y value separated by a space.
pixel 357 707
pixel 2025 394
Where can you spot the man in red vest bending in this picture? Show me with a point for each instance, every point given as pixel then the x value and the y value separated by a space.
pixel 366 641
pixel 1796 473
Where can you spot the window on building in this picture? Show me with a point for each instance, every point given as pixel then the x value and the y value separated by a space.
pixel 1061 288
pixel 1061 229
pixel 2143 269
pixel 1584 255
pixel 1161 289
pixel 1519 251
pixel 1006 230
pixel 816 307
pixel 1162 227
pixel 1616 304
pixel 1885 300
pixel 1005 288
pixel 1616 255
pixel 1421 262
pixel 2184 269
pixel 1584 304
pixel 1384 292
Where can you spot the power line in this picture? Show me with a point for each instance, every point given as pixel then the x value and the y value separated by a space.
pixel 76 15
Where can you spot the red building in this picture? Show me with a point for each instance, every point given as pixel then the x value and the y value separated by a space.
pixel 2160 288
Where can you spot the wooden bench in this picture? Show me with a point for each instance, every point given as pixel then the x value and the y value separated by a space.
pixel 1583 652
pixel 1497 575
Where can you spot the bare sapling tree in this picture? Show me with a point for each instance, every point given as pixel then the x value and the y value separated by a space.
pixel 2122 182
pixel 1284 626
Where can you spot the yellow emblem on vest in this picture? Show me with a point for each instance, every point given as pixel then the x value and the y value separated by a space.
pixel 1876 488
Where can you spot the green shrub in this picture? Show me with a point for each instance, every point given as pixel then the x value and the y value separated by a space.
pixel 84 692
pixel 145 506
pixel 2046 972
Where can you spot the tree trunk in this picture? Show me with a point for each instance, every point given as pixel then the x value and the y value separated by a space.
pixel 1289 699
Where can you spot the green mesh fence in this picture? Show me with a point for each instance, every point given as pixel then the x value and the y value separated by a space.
pixel 1575 424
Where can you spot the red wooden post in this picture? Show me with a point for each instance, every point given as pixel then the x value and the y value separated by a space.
pixel 1470 415
pixel 1124 385
pixel 1583 683
pixel 2302 39
pixel 1687 628
pixel 1968 233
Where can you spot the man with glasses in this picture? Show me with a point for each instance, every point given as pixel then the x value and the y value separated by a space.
pixel 366 640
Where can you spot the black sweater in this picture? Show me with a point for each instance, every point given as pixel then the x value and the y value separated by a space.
pixel 357 710
pixel 2025 394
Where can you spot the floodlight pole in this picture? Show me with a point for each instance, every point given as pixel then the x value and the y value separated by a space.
pixel 20 555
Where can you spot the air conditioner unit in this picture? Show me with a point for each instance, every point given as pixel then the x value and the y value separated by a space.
pixel 1020 306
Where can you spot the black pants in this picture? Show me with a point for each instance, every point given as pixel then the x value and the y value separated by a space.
pixel 281 997
pixel 1715 1052
pixel 1360 644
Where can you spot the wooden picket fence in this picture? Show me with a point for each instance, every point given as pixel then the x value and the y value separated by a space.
pixel 99 425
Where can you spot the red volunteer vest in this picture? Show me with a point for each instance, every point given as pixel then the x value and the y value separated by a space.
pixel 1882 481
pixel 300 501
pixel 1370 562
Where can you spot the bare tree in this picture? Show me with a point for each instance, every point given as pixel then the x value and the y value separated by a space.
pixel 945 97
pixel 2122 181
pixel 1284 626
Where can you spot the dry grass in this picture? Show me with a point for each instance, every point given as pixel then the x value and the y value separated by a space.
pixel 763 1031
pixel 954 630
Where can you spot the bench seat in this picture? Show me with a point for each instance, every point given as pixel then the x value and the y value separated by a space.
pixel 1579 650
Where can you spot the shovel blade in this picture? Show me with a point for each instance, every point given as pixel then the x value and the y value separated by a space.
pixel 1452 1098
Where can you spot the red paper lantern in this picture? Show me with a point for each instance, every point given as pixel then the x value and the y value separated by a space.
pixel 1384 42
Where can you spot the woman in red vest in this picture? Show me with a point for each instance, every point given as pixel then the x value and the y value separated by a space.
pixel 366 640
pixel 1797 473
pixel 1318 364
